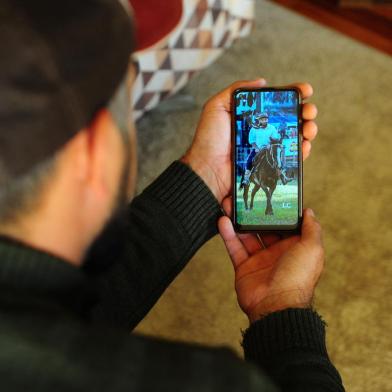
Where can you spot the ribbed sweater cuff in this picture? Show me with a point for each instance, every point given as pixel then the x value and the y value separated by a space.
pixel 187 198
pixel 282 331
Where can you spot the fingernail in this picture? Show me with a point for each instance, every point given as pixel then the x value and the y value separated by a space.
pixel 311 212
pixel 260 80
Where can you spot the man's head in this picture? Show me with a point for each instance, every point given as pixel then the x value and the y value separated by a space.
pixel 261 119
pixel 66 142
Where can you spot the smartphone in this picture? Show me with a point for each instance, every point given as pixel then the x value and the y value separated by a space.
pixel 267 160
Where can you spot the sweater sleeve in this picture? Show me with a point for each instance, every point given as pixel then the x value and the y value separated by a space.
pixel 146 246
pixel 290 346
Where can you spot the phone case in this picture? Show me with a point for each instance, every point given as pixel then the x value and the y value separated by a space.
pixel 263 170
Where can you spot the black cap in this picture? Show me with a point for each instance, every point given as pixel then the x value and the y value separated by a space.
pixel 60 61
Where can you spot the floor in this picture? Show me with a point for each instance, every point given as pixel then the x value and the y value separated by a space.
pixel 371 25
pixel 346 181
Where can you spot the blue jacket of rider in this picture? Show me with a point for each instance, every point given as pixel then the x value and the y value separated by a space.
pixel 262 137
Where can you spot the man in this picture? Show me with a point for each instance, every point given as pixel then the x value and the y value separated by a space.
pixel 79 268
pixel 261 136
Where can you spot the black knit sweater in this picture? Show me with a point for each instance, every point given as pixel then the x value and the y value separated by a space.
pixel 67 329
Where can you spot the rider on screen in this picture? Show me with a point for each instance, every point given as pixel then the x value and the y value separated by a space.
pixel 261 136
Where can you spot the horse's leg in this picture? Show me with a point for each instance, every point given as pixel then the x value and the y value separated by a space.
pixel 269 210
pixel 266 191
pixel 252 197
pixel 246 190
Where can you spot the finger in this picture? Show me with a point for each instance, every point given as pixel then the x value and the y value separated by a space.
pixel 270 239
pixel 313 241
pixel 282 245
pixel 251 243
pixel 223 98
pixel 311 228
pixel 309 111
pixel 227 206
pixel 305 89
pixel 234 246
pixel 309 130
pixel 306 147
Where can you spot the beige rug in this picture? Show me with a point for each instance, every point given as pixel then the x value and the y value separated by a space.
pixel 348 183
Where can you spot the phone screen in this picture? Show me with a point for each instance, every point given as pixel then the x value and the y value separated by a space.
pixel 267 173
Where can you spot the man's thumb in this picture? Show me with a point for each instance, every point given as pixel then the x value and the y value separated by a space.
pixel 311 228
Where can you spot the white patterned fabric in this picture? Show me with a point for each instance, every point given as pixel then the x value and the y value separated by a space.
pixel 206 29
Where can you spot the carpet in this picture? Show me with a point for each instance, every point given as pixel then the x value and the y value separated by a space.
pixel 347 183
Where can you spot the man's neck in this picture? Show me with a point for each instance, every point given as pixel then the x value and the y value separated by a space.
pixel 53 239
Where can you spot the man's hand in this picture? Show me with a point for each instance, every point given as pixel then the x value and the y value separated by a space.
pixel 210 153
pixel 283 275
pixel 254 145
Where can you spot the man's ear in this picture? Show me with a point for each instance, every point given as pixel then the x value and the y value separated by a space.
pixel 105 147
pixel 94 152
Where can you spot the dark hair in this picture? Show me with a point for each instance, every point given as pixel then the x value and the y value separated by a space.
pixel 20 195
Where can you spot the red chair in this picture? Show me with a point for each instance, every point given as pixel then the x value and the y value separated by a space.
pixel 177 38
